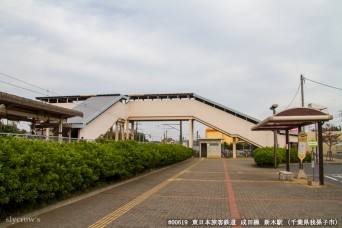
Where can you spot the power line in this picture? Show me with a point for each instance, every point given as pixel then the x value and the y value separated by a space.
pixel 26 82
pixel 311 81
pixel 23 88
pixel 83 105
pixel 323 84
pixel 294 97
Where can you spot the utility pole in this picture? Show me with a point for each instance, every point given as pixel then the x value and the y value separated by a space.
pixel 302 80
pixel 302 97
pixel 302 88
pixel 180 130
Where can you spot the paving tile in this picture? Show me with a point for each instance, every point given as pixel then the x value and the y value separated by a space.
pixel 199 189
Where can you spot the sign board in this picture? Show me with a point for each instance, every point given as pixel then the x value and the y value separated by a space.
pixel 294 130
pixel 302 141
pixel 312 143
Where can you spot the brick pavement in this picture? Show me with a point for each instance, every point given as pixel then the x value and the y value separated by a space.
pixel 200 191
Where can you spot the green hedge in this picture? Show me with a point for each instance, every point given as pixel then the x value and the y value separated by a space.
pixel 34 173
pixel 264 157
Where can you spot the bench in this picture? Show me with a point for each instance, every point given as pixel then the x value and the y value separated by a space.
pixel 285 174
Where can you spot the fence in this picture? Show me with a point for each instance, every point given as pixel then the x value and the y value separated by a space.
pixel 46 138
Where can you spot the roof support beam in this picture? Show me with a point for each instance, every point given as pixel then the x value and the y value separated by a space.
pixel 27 115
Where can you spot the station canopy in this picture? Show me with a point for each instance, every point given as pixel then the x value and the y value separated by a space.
pixel 292 118
pixel 17 108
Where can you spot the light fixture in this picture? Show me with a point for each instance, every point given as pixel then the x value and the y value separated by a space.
pixel 274 106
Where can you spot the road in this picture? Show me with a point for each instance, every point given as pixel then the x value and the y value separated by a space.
pixel 332 172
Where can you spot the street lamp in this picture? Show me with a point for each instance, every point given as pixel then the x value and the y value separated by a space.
pixel 273 107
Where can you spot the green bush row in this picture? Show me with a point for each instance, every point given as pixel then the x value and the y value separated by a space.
pixel 264 157
pixel 34 173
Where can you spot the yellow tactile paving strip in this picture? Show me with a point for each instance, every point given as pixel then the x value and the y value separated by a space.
pixel 124 209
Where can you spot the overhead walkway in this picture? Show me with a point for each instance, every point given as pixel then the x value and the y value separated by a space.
pixel 190 106
pixel 101 112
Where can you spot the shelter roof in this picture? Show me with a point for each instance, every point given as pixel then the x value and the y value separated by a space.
pixel 22 109
pixel 292 118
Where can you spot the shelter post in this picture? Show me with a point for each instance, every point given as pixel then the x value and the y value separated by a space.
pixel 320 153
pixel 275 148
pixel 300 163
pixel 287 150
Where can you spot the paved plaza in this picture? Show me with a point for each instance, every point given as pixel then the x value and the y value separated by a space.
pixel 200 193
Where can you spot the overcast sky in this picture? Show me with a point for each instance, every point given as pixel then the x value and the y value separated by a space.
pixel 246 55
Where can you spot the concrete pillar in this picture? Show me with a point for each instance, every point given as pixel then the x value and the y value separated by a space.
pixel 47 134
pixel 60 130
pixel 33 127
pixel 191 133
pixel 122 131
pixel 132 130
pixel 180 133
pixel 127 130
pixel 234 147
pixel 116 131
pixel 70 135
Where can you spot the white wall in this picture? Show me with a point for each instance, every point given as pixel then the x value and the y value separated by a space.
pixel 208 115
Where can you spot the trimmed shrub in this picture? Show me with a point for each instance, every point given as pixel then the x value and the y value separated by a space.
pixel 34 173
pixel 264 157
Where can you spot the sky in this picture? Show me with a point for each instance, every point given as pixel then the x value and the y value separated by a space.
pixel 246 55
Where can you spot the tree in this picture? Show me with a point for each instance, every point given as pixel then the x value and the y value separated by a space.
pixel 11 127
pixel 330 137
